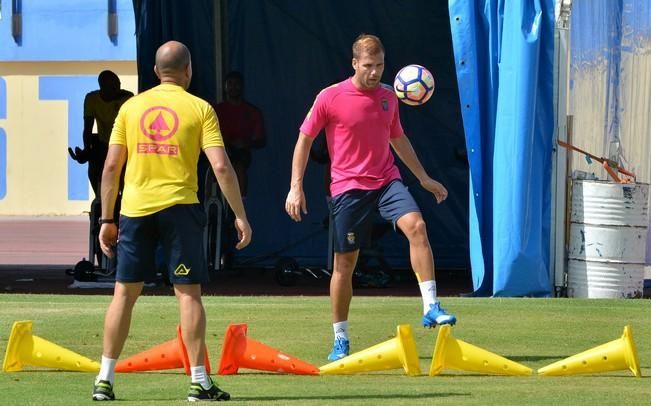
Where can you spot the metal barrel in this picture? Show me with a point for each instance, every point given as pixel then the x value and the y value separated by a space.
pixel 607 244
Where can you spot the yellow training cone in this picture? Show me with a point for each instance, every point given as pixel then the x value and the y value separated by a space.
pixel 612 356
pixel 455 354
pixel 25 348
pixel 398 352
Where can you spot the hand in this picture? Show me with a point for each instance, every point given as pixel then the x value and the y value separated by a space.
pixel 244 233
pixel 295 203
pixel 438 190
pixel 79 155
pixel 108 238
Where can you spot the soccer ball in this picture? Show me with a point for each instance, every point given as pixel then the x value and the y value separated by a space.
pixel 414 85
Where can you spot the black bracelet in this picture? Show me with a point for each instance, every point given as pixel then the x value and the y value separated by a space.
pixel 106 221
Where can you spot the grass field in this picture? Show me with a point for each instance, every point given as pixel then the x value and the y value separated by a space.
pixel 534 332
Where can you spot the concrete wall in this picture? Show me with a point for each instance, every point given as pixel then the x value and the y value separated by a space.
pixel 50 56
pixel 44 115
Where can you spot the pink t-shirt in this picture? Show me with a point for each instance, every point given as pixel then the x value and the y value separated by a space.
pixel 358 125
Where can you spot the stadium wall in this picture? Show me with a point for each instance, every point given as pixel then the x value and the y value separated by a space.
pixel 50 56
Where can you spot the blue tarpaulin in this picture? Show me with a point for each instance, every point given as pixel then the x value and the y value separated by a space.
pixel 159 21
pixel 504 59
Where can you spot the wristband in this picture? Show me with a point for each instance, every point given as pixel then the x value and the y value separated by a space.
pixel 106 221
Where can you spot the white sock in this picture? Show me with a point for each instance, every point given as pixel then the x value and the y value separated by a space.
pixel 200 376
pixel 107 370
pixel 428 292
pixel 341 329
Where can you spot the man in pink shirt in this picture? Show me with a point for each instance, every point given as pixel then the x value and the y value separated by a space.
pixel 361 120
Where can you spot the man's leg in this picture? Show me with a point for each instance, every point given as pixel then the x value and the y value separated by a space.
pixel 95 176
pixel 341 284
pixel 193 330
pixel 420 252
pixel 181 227
pixel 422 262
pixel 95 168
pixel 341 294
pixel 116 329
pixel 352 213
pixel 96 165
pixel 193 321
pixel 118 317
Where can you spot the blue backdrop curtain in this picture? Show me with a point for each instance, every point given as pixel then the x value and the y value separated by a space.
pixel 159 21
pixel 287 51
pixel 504 61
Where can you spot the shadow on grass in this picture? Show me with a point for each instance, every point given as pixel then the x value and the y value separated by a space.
pixel 605 375
pixel 534 358
pixel 521 358
pixel 351 397
pixel 388 372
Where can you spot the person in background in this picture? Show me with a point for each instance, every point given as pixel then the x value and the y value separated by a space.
pixel 100 107
pixel 242 127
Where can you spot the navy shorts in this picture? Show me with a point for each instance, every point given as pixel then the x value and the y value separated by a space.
pixel 354 212
pixel 179 231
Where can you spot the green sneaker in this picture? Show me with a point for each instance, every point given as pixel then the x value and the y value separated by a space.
pixel 198 394
pixel 103 390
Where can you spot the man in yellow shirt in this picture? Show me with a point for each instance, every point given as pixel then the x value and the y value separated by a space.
pixel 100 107
pixel 159 134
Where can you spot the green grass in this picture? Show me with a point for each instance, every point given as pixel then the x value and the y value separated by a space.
pixel 534 332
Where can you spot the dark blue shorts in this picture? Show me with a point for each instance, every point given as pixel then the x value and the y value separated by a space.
pixel 354 212
pixel 178 230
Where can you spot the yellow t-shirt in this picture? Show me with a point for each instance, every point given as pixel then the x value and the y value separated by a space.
pixel 164 130
pixel 103 111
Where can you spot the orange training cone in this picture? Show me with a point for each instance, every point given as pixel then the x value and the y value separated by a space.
pixel 239 351
pixel 25 348
pixel 398 352
pixel 456 354
pixel 612 356
pixel 168 355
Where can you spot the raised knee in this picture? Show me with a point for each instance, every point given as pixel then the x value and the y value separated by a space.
pixel 418 231
pixel 421 227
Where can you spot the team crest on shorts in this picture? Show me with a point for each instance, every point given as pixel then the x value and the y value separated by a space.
pixel 385 104
pixel 350 237
pixel 182 270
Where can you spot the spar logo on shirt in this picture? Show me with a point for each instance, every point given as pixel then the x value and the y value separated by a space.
pixel 159 124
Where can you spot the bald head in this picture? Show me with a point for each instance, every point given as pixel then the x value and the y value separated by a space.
pixel 172 57
pixel 173 64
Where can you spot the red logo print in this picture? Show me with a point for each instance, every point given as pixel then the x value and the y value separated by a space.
pixel 158 149
pixel 159 123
